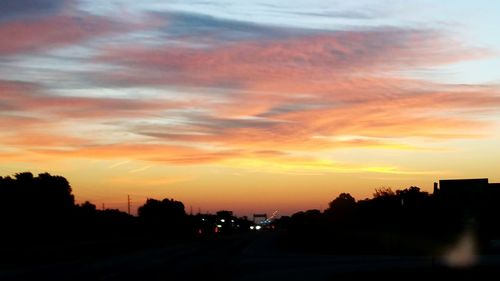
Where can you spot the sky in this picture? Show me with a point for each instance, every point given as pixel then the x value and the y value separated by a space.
pixel 250 106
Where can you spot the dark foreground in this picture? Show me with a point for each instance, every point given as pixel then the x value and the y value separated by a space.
pixel 247 257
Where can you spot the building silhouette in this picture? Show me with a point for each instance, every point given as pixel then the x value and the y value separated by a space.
pixel 474 202
pixel 468 193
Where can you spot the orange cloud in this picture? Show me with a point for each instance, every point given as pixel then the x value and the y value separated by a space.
pixel 27 36
pixel 314 57
pixel 288 91
pixel 298 93
pixel 22 98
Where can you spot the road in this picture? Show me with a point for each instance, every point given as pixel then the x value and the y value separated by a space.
pixel 239 258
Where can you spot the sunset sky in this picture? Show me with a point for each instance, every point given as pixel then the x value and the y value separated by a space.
pixel 251 106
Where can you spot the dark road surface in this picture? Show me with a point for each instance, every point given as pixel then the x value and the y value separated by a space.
pixel 244 257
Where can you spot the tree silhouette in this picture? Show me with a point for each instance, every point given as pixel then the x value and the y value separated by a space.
pixel 29 199
pixel 412 197
pixel 167 217
pixel 383 192
pixel 160 212
pixel 343 202
pixel 88 207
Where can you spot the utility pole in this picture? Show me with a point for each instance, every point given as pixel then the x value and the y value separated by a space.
pixel 128 204
pixel 103 207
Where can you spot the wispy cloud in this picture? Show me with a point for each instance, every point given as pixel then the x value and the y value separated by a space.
pixel 119 164
pixel 42 34
pixel 141 169
pixel 155 181
pixel 231 90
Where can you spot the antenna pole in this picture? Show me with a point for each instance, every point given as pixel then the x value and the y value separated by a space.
pixel 128 204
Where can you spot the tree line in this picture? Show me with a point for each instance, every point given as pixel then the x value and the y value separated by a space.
pixel 402 221
pixel 42 208
pixel 45 205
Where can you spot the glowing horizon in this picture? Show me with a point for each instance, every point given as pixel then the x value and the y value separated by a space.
pixel 247 106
